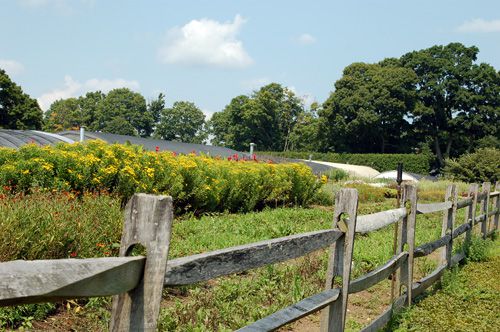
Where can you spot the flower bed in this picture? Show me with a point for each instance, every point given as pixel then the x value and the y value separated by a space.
pixel 196 183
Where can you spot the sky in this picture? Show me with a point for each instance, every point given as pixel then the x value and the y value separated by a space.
pixel 209 52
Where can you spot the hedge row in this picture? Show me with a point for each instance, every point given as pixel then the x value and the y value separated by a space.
pixel 196 183
pixel 415 163
pixel 480 166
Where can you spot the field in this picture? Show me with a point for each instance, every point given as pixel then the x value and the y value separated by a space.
pixel 43 224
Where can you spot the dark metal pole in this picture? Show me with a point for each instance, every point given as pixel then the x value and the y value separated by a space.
pixel 399 180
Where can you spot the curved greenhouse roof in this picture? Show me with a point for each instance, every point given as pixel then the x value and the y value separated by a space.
pixel 17 138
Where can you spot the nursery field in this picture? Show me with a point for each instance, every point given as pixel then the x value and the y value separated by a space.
pixel 46 224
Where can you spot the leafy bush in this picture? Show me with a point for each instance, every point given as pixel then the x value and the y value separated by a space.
pixel 479 166
pixel 196 183
pixel 416 163
pixel 478 250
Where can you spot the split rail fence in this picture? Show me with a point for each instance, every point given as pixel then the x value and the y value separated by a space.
pixel 137 281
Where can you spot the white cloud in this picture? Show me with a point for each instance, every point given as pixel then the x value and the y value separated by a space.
pixel 206 42
pixel 306 39
pixel 74 88
pixel 12 67
pixel 480 25
pixel 306 98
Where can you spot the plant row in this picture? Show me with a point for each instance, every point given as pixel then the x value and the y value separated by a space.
pixel 196 183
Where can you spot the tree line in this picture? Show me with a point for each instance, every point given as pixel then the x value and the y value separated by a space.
pixel 437 99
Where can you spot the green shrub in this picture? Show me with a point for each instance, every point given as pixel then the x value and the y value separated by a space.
pixel 480 166
pixel 21 316
pixel 416 163
pixel 478 249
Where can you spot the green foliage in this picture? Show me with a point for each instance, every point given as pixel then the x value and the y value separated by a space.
pixel 479 166
pixel 416 163
pixel 468 301
pixel 267 118
pixel 458 100
pixel 368 110
pixel 196 183
pixel 183 122
pixel 21 316
pixel 17 109
pixel 478 250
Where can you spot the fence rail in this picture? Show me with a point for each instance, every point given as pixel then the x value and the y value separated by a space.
pixel 148 221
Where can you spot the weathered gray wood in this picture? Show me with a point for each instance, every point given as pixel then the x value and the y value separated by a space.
pixel 448 221
pixel 496 192
pixel 464 203
pixel 294 312
pixel 409 198
pixel 429 247
pixel 496 205
pixel 206 266
pixel 492 212
pixel 51 280
pixel 481 196
pixel 371 278
pixel 379 322
pixel 148 221
pixel 420 286
pixel 432 207
pixel 372 222
pixel 470 213
pixel 344 219
pixel 460 230
pixel 485 205
pixel 479 219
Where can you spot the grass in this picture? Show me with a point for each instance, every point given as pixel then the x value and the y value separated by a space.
pixel 467 301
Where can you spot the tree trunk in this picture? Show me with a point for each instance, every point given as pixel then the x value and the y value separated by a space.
pixel 439 154
pixel 448 147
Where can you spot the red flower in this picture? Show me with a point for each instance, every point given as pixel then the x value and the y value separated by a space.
pixel 157 149
pixel 72 254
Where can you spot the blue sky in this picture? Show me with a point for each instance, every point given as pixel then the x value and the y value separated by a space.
pixel 208 52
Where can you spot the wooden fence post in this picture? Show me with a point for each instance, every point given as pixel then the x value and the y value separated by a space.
pixel 470 213
pixel 407 236
pixel 148 221
pixel 484 208
pixel 448 223
pixel 496 205
pixel 346 205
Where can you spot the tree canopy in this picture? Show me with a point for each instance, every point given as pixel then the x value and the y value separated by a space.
pixel 182 122
pixel 17 109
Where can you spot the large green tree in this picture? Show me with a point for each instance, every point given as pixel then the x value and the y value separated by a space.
pixel 182 122
pixel 123 105
pixel 458 99
pixel 17 109
pixel 369 109
pixel 266 118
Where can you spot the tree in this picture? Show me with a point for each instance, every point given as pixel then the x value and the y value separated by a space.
pixel 63 114
pixel 266 118
pixel 17 109
pixel 182 122
pixel 127 106
pixel 458 99
pixel 369 108
pixel 91 109
pixel 304 136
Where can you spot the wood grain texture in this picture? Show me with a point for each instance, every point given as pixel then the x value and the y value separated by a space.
pixel 464 203
pixel 372 222
pixel 409 198
pixel 429 247
pixel 294 312
pixel 52 280
pixel 420 286
pixel 496 206
pixel 379 322
pixel 148 221
pixel 206 266
pixel 460 230
pixel 470 213
pixel 383 272
pixel 448 221
pixel 346 206
pixel 433 207
pixel 485 205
